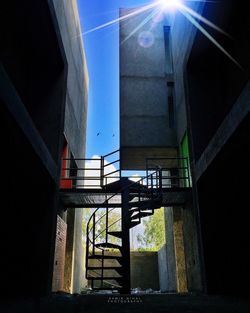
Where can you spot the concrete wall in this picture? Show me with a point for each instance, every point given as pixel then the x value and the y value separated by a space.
pixel 220 130
pixel 144 113
pixel 192 253
pixel 181 274
pixel 163 269
pixel 74 270
pixel 171 281
pixel 74 128
pixel 144 270
pixel 77 85
pixel 145 129
pixel 181 44
pixel 78 280
pixel 59 260
pixel 32 99
pixel 68 269
pixel 178 260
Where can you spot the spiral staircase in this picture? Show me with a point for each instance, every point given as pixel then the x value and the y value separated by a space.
pixel 108 251
pixel 121 204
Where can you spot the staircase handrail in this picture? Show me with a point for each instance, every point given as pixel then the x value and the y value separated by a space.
pixel 118 192
pixel 92 241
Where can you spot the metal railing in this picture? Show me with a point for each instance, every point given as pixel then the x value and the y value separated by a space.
pixel 96 173
pixel 94 231
pixel 93 172
pixel 175 171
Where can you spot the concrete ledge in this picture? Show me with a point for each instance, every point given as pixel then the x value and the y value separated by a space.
pixel 240 109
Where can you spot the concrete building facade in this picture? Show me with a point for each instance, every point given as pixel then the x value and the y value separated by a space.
pixel 43 94
pixel 153 124
pixel 218 129
pixel 169 63
pixel 74 134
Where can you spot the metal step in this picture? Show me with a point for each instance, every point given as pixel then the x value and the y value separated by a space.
pixel 104 268
pixel 117 234
pixel 146 204
pixel 106 257
pixel 107 245
pixel 141 215
pixel 118 279
pixel 118 269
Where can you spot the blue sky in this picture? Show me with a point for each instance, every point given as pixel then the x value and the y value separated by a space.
pixel 101 48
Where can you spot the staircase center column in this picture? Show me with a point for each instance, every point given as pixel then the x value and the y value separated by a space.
pixel 125 238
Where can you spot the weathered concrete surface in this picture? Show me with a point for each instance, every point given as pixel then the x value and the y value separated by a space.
pixel 74 279
pixel 181 275
pixel 144 111
pixel 135 158
pixel 182 37
pixel 239 111
pixel 144 270
pixel 190 237
pixel 59 258
pixel 69 250
pixel 74 127
pixel 178 260
pixel 78 280
pixel 220 131
pixel 163 269
pixel 77 85
pixel 170 251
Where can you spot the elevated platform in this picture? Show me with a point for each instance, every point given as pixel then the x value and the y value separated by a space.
pixel 94 198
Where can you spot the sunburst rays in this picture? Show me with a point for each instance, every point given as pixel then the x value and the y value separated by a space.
pixel 191 15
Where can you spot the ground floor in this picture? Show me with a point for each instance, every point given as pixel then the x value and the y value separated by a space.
pixel 145 303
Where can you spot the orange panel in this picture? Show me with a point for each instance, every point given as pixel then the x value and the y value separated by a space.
pixel 65 154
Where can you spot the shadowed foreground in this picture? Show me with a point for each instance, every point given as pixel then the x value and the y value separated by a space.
pixel 160 303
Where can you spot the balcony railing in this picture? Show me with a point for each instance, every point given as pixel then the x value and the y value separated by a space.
pixel 96 173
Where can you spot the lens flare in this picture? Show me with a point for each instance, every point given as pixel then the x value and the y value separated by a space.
pixel 146 39
pixel 170 4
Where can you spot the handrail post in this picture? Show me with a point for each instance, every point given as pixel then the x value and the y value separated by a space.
pixel 102 270
pixel 152 185
pixel 107 224
pixel 87 252
pixel 93 239
pixel 160 180
pixel 102 172
pixel 147 171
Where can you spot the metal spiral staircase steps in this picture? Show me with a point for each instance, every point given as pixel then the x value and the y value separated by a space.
pixel 109 269
pixel 166 183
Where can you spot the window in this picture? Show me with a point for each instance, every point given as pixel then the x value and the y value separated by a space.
pixel 171 113
pixel 168 53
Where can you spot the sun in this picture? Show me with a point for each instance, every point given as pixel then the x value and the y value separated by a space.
pixel 170 4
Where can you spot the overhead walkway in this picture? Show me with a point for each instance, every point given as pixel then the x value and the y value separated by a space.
pixel 87 183
pixel 99 184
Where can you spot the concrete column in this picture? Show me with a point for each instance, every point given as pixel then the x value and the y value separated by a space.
pixel 190 236
pixel 170 252
pixel 69 250
pixel 74 260
pixel 181 277
pixel 78 280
